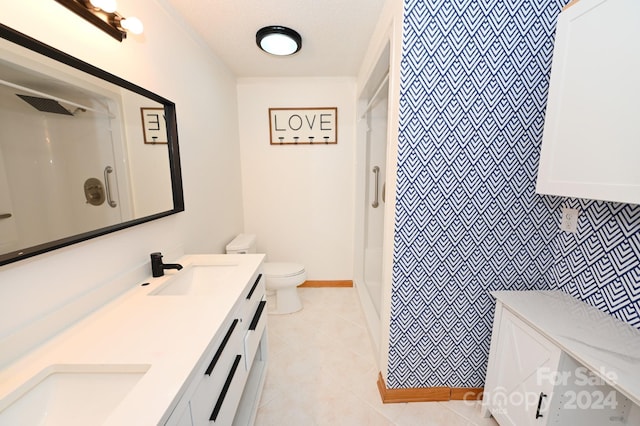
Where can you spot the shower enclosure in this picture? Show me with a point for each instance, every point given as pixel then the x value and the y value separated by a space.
pixel 371 177
pixel 61 168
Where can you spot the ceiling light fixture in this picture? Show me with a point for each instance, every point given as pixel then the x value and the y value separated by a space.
pixel 102 14
pixel 277 40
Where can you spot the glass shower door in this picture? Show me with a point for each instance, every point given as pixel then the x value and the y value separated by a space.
pixel 376 152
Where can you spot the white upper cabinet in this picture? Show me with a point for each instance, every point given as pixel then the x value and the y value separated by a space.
pixel 591 142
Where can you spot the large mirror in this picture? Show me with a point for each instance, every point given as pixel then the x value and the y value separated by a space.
pixel 82 152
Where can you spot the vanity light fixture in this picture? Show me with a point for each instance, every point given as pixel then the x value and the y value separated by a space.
pixel 108 6
pixel 278 40
pixel 102 14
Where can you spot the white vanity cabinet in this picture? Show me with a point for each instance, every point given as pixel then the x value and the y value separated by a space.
pixel 196 340
pixel 516 395
pixel 215 394
pixel 534 376
pixel 591 139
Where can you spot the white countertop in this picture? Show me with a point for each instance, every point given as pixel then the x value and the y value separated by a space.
pixel 169 334
pixel 605 345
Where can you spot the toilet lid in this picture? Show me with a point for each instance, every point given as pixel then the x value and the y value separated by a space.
pixel 281 269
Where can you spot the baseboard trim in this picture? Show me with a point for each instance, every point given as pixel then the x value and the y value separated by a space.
pixel 390 396
pixel 466 394
pixel 321 284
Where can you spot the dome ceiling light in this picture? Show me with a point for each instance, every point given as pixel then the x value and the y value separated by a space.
pixel 277 40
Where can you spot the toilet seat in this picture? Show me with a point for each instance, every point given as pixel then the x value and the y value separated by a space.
pixel 281 269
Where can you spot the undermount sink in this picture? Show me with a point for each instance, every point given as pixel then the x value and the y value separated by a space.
pixel 71 395
pixel 193 279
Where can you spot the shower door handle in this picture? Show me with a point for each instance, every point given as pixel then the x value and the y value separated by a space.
pixel 376 172
pixel 107 171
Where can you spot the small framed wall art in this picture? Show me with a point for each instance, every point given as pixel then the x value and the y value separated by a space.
pixel 303 126
pixel 154 125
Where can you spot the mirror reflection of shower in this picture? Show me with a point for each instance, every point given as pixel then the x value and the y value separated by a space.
pixel 54 144
pixel 63 122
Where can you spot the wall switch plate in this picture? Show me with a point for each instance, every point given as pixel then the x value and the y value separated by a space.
pixel 569 221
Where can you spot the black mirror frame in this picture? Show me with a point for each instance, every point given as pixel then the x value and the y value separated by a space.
pixel 172 134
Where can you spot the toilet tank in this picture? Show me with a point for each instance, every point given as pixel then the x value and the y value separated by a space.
pixel 243 243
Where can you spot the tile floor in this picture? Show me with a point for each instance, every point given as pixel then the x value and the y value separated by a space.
pixel 322 372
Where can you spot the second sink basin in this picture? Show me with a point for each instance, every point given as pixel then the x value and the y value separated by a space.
pixel 192 279
pixel 71 395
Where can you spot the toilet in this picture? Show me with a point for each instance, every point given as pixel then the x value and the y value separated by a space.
pixel 281 278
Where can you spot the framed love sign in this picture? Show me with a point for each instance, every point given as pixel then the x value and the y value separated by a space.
pixel 154 125
pixel 303 126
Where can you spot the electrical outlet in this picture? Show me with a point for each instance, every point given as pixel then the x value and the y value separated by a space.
pixel 569 221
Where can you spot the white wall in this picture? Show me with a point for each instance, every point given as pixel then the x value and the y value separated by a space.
pixel 165 60
pixel 299 199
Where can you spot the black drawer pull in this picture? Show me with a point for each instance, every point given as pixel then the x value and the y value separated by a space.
pixel 542 395
pixel 257 315
pixel 253 288
pixel 218 354
pixel 225 389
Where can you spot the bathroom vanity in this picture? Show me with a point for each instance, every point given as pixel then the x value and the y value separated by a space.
pixel 555 360
pixel 187 348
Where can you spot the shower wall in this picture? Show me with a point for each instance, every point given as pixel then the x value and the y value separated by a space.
pixel 46 159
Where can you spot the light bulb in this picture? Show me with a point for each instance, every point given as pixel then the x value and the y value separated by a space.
pixel 279 44
pixel 132 24
pixel 108 6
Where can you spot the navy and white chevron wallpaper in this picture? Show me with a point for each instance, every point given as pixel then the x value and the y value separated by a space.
pixel 474 82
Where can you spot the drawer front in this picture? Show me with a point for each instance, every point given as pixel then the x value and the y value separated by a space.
pixel 215 402
pixel 256 289
pixel 225 349
pixel 254 293
pixel 215 374
pixel 181 416
pixel 254 333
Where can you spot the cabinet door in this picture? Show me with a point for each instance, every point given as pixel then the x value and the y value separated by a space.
pixel 590 144
pixel 520 390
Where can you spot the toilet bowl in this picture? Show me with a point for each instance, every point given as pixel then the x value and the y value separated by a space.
pixel 281 278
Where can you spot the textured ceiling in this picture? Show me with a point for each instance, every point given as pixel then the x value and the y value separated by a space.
pixel 335 33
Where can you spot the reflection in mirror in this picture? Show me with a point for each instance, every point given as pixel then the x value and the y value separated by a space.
pixel 82 152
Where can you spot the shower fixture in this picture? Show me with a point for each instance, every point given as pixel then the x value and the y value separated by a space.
pixel 49 105
pixel 45 104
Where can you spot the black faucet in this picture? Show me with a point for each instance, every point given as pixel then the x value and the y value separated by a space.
pixel 157 267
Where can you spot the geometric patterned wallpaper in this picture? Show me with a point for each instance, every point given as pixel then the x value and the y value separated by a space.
pixel 474 82
pixel 600 264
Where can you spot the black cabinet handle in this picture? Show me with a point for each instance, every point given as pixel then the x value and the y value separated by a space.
pixel 257 315
pixel 255 284
pixel 218 354
pixel 225 389
pixel 542 395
